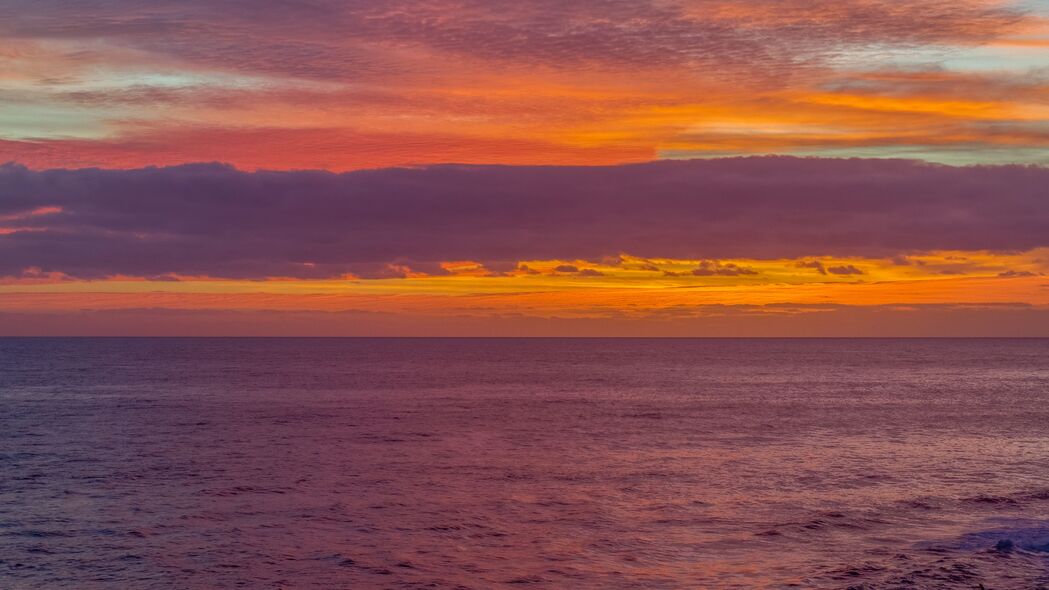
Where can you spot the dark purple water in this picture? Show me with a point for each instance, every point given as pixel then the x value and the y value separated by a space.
pixel 371 463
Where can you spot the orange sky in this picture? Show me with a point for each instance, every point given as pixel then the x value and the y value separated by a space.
pixel 651 294
pixel 335 86
pixel 127 84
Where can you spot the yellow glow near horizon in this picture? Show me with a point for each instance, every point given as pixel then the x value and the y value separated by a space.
pixel 627 285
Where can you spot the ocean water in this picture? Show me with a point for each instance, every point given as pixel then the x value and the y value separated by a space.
pixel 432 463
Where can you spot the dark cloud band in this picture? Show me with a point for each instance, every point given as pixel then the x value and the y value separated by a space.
pixel 214 220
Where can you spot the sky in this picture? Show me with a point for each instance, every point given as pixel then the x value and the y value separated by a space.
pixel 537 168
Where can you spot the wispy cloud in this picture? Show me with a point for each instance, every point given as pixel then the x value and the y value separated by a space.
pixel 126 83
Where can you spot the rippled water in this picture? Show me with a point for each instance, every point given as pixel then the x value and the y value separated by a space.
pixel 360 463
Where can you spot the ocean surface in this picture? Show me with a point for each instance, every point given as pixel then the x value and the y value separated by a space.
pixel 518 463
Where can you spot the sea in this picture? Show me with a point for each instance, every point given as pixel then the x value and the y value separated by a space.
pixel 524 463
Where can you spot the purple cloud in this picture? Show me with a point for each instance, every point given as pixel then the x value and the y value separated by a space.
pixel 211 219
pixel 847 269
pixel 573 269
pixel 816 264
pixel 713 268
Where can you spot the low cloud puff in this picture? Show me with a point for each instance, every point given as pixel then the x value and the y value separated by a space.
pixel 713 268
pixel 847 269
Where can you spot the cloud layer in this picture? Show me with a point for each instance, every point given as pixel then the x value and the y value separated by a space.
pixel 343 85
pixel 213 220
pixel 325 39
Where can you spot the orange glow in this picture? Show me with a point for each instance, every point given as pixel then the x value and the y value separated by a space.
pixel 481 112
pixel 628 287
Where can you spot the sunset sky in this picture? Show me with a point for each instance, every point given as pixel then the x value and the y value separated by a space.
pixel 485 167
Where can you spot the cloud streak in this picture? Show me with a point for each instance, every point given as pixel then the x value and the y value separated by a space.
pixel 706 321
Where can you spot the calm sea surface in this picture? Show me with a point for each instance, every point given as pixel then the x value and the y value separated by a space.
pixel 390 463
